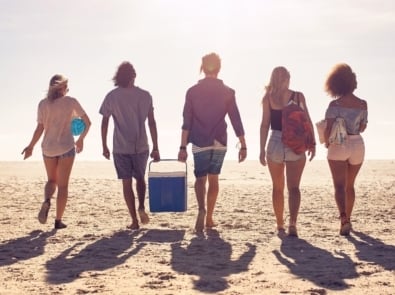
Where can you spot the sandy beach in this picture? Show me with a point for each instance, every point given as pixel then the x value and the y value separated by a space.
pixel 97 254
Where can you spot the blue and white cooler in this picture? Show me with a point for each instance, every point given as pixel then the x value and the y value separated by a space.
pixel 167 189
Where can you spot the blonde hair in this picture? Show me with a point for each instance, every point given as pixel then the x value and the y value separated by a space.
pixel 56 87
pixel 211 64
pixel 279 80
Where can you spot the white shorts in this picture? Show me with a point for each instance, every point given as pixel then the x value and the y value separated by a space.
pixel 352 151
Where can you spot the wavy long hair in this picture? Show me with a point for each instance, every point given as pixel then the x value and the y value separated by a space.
pixel 279 81
pixel 57 86
pixel 124 75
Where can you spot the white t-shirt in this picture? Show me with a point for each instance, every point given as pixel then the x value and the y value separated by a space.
pixel 129 108
pixel 56 117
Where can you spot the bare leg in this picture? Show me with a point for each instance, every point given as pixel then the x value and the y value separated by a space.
pixel 200 191
pixel 50 187
pixel 277 174
pixel 63 175
pixel 339 176
pixel 51 169
pixel 212 194
pixel 350 191
pixel 129 197
pixel 294 170
pixel 141 188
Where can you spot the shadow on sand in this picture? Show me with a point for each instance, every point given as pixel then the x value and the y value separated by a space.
pixel 103 254
pixel 373 250
pixel 24 248
pixel 315 264
pixel 210 259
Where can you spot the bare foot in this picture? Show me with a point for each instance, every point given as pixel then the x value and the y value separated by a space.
pixel 133 226
pixel 143 216
pixel 199 226
pixel 210 223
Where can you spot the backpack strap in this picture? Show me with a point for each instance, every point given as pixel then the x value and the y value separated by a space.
pixel 293 96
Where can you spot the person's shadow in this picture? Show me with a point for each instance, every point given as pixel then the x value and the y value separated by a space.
pixel 373 250
pixel 210 260
pixel 315 264
pixel 24 248
pixel 103 254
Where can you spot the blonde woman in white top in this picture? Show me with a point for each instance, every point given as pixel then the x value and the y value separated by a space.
pixel 55 113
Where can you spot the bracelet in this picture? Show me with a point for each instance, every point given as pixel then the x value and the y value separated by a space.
pixel 243 148
pixel 183 147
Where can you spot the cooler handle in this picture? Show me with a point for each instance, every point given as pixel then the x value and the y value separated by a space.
pixel 166 160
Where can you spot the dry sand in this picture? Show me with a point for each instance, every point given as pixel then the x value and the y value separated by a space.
pixel 97 254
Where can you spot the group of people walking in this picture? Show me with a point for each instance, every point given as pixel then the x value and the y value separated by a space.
pixel 207 104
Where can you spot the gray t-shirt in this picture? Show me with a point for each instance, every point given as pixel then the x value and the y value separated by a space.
pixel 129 108
pixel 352 116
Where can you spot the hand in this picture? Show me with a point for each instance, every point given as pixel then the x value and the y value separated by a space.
pixel 311 153
pixel 182 156
pixel 262 158
pixel 106 153
pixel 242 154
pixel 27 151
pixel 155 155
pixel 79 145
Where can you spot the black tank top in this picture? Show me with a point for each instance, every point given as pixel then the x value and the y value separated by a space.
pixel 275 119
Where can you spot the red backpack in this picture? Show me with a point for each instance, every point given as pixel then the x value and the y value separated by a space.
pixel 297 132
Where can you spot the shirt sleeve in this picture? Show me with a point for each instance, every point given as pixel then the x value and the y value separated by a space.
pixel 40 113
pixel 331 113
pixel 235 118
pixel 187 114
pixel 364 117
pixel 105 108
pixel 78 110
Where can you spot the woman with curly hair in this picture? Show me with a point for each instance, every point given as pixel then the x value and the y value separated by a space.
pixel 345 160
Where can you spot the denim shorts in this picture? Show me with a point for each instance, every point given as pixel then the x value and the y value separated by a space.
pixel 131 165
pixel 352 151
pixel 70 153
pixel 278 152
pixel 208 162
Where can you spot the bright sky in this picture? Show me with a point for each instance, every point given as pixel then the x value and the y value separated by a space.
pixel 165 40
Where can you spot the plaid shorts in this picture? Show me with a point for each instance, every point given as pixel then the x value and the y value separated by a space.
pixel 208 162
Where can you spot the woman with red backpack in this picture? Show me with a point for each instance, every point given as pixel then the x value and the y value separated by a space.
pixel 284 152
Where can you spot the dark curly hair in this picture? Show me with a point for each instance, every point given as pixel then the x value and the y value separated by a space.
pixel 341 81
pixel 124 75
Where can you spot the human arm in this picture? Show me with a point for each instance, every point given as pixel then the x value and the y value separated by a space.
pixel 182 153
pixel 235 119
pixel 364 122
pixel 104 131
pixel 264 129
pixel 242 149
pixel 154 135
pixel 311 150
pixel 28 151
pixel 80 141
